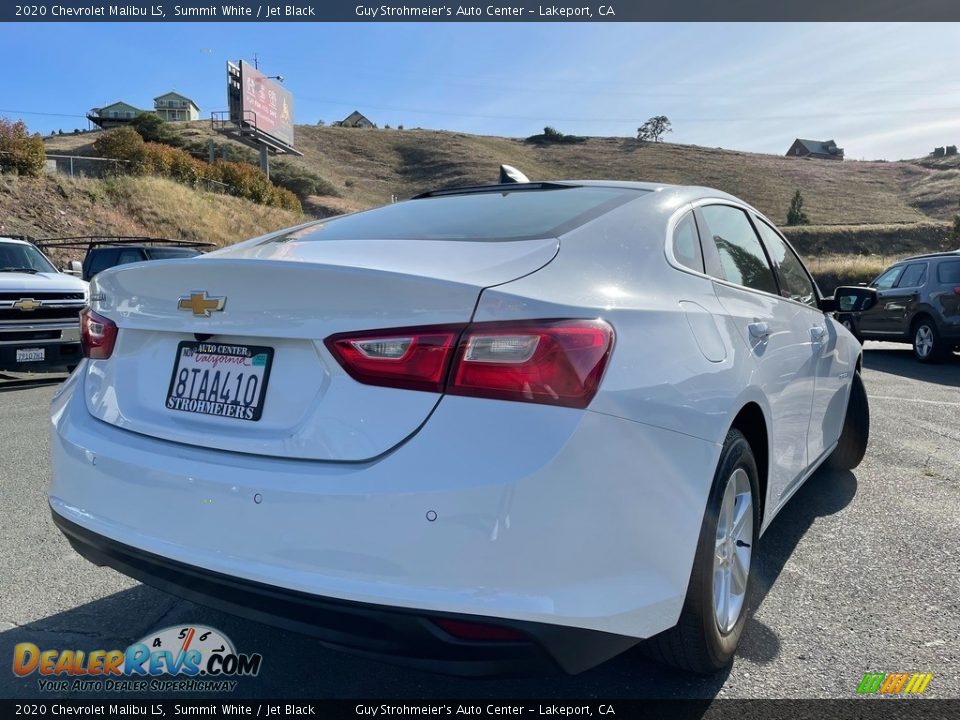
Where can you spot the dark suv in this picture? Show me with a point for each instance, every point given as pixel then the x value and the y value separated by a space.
pixel 917 300
pixel 106 252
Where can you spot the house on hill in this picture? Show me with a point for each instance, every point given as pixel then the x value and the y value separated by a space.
pixel 821 149
pixel 356 120
pixel 174 107
pixel 114 115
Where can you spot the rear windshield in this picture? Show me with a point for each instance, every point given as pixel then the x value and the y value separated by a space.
pixel 949 272
pixel 509 215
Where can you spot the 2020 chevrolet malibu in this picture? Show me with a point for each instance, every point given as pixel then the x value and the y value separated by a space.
pixel 477 429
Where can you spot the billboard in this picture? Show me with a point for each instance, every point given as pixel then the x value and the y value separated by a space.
pixel 258 102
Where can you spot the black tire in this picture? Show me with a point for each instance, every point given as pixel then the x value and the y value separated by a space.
pixel 696 643
pixel 856 429
pixel 924 324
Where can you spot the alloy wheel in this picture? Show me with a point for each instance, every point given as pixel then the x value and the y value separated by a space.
pixel 733 549
pixel 923 341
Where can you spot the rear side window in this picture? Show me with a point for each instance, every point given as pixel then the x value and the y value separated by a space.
pixel 686 243
pixel 100 260
pixel 797 284
pixel 171 253
pixel 129 256
pixel 888 279
pixel 914 275
pixel 506 215
pixel 949 272
pixel 742 258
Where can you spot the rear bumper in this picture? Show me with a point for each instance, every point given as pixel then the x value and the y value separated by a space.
pixel 401 635
pixel 514 511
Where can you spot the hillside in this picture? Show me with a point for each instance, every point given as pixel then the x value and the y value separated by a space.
pixel 865 215
pixel 369 165
pixel 56 206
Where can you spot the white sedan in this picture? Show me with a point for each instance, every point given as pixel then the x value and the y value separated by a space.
pixel 475 430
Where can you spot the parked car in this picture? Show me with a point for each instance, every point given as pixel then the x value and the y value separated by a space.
pixel 476 429
pixel 916 300
pixel 39 311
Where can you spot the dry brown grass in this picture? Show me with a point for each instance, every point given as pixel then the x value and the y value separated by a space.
pixel 56 206
pixel 831 271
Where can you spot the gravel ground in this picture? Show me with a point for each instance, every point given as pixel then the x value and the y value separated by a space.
pixel 859 573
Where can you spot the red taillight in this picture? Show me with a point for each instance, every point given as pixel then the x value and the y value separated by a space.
pixel 478 632
pixel 412 358
pixel 97 335
pixel 556 362
pixel 956 291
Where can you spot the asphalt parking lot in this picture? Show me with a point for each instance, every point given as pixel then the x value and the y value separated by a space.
pixel 859 573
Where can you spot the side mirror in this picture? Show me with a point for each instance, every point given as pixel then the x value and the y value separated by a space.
pixel 852 299
pixel 74 267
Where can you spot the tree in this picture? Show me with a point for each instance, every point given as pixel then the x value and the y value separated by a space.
pixel 796 215
pixel 20 152
pixel 151 127
pixel 654 129
pixel 123 143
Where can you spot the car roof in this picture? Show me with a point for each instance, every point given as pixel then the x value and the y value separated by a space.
pixel 931 256
pixel 681 193
pixel 14 240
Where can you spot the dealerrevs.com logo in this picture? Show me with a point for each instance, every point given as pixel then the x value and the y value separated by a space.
pixel 181 658
pixel 894 683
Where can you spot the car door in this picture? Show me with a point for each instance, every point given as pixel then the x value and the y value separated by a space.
pixel 900 301
pixel 875 321
pixel 775 333
pixel 830 367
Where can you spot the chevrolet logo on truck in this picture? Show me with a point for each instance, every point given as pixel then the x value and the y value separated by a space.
pixel 26 304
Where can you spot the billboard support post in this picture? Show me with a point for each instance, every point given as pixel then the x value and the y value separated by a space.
pixel 264 161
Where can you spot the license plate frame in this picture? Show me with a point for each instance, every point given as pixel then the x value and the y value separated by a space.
pixel 217 407
pixel 31 355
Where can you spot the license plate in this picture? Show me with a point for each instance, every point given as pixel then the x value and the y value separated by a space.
pixel 31 355
pixel 223 380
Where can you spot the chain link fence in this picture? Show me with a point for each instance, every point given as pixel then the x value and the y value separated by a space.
pixel 99 167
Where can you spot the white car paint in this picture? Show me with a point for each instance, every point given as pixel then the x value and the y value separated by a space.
pixel 582 518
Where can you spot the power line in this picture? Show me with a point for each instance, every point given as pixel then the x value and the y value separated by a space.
pixel 35 112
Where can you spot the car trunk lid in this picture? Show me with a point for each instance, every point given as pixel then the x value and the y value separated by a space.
pixel 273 303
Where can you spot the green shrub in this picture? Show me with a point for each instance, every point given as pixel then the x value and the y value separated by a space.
pixel 796 214
pixel 124 144
pixel 152 128
pixel 300 181
pixel 20 152
pixel 551 136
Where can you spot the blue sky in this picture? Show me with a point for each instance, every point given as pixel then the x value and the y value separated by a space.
pixel 881 91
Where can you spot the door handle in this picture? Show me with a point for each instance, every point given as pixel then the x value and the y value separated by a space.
pixel 818 334
pixel 759 330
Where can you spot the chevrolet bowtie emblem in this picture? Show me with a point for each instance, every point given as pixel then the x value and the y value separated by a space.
pixel 26 304
pixel 200 304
